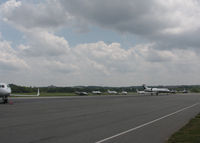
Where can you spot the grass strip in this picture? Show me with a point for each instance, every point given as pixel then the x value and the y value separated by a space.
pixel 190 133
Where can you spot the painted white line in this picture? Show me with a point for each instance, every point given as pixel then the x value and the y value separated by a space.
pixel 140 126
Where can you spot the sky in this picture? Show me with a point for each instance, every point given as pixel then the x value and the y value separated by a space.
pixel 100 42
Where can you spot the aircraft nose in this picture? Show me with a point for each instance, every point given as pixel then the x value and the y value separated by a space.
pixel 8 90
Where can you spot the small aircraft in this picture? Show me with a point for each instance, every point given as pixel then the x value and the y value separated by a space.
pixel 140 91
pixel 81 93
pixel 156 90
pixel 184 91
pixel 112 92
pixel 5 91
pixel 96 92
pixel 124 92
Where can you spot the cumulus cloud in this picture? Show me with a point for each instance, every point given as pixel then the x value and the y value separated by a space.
pixel 9 59
pixel 43 43
pixel 163 21
pixel 96 63
pixel 8 7
pixel 171 24
pixel 48 15
pixel 169 56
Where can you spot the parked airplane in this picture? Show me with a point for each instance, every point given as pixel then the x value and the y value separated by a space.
pixel 96 92
pixel 156 90
pixel 184 91
pixel 140 92
pixel 112 92
pixel 81 93
pixel 124 92
pixel 5 91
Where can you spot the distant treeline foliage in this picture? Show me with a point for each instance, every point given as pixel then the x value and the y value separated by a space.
pixel 54 89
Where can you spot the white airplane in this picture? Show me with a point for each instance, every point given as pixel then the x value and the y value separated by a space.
pixel 112 92
pixel 5 91
pixel 140 92
pixel 81 93
pixel 184 91
pixel 96 92
pixel 156 90
pixel 124 92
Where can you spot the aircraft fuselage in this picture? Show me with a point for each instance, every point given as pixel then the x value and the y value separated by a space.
pixel 5 91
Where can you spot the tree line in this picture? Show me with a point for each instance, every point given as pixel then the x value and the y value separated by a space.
pixel 55 89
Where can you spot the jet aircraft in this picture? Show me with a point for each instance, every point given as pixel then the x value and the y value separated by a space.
pixel 5 91
pixel 112 92
pixel 156 90
pixel 96 92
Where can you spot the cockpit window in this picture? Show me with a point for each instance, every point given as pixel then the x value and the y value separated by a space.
pixel 2 86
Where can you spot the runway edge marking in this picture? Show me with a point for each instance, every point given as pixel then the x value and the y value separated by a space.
pixel 145 124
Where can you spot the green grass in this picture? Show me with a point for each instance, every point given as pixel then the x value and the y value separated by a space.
pixel 57 94
pixel 190 133
pixel 65 94
pixel 47 94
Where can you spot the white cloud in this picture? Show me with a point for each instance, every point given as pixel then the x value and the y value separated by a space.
pixel 9 59
pixel 161 21
pixel 107 64
pixel 48 15
pixel 170 56
pixel 43 43
pixel 172 21
pixel 9 6
pixel 184 14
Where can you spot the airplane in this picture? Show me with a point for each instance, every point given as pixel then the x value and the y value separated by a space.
pixel 112 92
pixel 156 90
pixel 5 91
pixel 184 91
pixel 81 93
pixel 140 92
pixel 124 92
pixel 96 92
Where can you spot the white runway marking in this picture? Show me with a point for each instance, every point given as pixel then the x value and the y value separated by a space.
pixel 140 126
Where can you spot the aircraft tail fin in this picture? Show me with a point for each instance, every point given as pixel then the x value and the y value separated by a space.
pixel 144 85
pixel 38 93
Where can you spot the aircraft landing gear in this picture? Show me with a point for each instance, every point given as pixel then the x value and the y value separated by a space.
pixel 5 99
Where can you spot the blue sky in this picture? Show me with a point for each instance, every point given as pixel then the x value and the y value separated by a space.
pixel 109 43
pixel 95 34
pixel 11 34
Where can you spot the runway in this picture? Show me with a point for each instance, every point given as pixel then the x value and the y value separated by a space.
pixel 96 119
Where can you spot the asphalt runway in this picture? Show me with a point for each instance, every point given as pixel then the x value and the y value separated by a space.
pixel 96 119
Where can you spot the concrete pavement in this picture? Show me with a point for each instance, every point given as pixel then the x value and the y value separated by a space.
pixel 96 118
